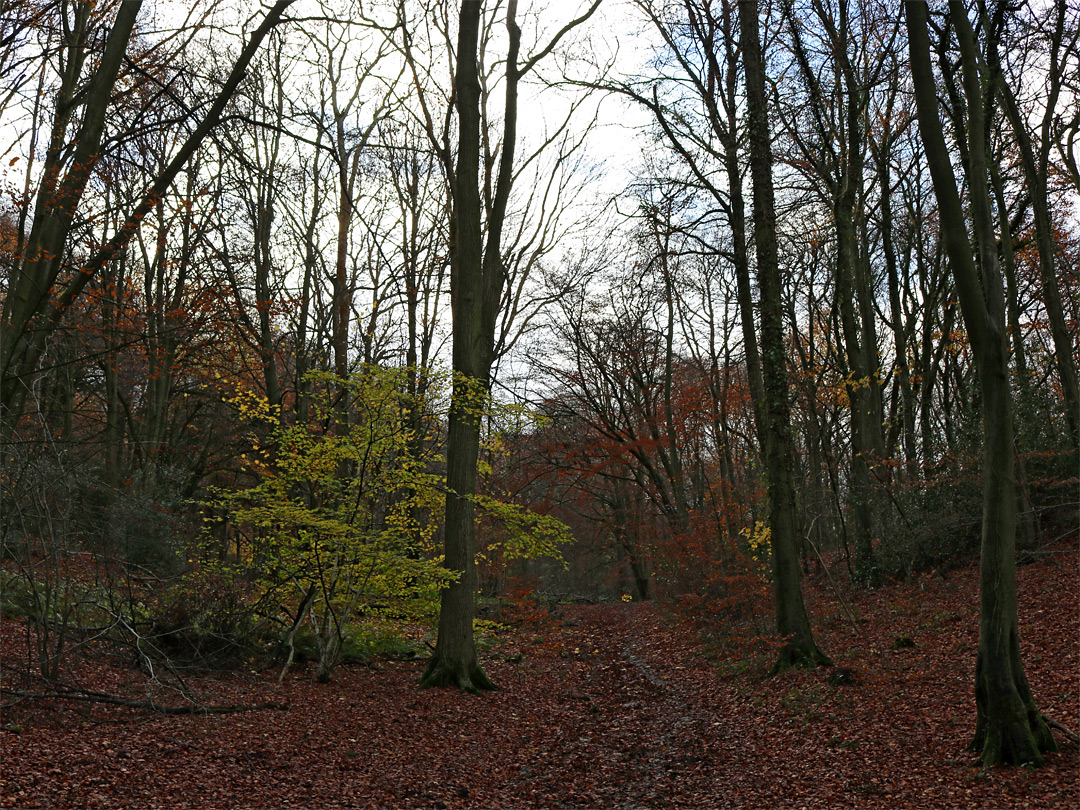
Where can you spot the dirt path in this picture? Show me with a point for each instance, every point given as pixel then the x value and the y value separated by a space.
pixel 607 707
pixel 634 733
pixel 602 713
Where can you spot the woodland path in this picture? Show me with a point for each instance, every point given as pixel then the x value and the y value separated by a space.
pixel 606 706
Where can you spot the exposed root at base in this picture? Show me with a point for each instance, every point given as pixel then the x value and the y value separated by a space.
pixel 468 678
pixel 1003 743
pixel 1070 735
pixel 799 656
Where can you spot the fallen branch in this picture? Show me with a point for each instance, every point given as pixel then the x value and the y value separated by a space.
pixel 86 696
pixel 1071 736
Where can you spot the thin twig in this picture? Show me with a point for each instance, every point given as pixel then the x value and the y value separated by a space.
pixel 836 588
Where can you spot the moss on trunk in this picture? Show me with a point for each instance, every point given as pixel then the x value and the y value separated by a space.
pixel 1009 729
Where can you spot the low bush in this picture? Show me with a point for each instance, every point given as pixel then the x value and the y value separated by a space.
pixel 204 620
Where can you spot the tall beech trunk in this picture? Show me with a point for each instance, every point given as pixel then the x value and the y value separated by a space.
pixel 1012 290
pixel 792 623
pixel 1027 524
pixel 1009 727
pixel 740 256
pixel 311 261
pixel 454 661
pixel 112 302
pixel 342 292
pixel 477 279
pixel 671 458
pixel 862 381
pixel 905 424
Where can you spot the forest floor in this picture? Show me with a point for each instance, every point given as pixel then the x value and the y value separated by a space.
pixel 608 706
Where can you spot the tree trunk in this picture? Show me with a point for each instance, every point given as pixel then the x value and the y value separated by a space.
pixel 477 279
pixel 1012 292
pixel 56 204
pixel 342 290
pixel 841 170
pixel 740 256
pixel 906 420
pixel 1027 527
pixel 1009 727
pixel 112 304
pixel 672 456
pixel 792 623
pixel 455 661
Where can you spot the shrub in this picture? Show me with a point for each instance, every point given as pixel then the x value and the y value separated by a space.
pixel 720 588
pixel 205 620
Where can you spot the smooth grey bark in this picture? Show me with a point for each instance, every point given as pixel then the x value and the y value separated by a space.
pixel 792 622
pixel 1009 727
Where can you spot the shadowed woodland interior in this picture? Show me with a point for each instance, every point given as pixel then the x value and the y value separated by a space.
pixel 396 331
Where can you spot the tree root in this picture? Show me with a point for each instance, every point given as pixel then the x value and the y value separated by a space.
pixel 1071 736
pixel 1023 741
pixel 468 678
pixel 799 656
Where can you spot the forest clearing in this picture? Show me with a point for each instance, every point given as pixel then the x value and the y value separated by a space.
pixel 613 706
